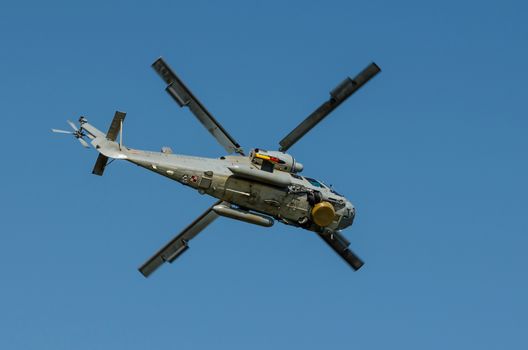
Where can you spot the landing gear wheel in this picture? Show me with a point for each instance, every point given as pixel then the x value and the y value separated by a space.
pixel 304 222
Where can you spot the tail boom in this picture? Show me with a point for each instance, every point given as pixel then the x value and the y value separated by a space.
pixel 105 143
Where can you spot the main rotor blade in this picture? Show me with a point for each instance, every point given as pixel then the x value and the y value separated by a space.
pixel 62 131
pixel 337 96
pixel 340 244
pixel 178 244
pixel 184 97
pixel 73 126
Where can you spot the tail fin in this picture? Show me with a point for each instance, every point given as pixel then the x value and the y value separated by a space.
pixel 115 128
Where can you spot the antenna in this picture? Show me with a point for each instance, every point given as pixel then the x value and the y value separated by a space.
pixel 121 134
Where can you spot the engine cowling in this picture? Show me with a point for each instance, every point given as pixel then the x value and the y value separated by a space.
pixel 281 161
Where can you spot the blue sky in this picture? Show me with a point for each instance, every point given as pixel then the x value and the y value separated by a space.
pixel 432 152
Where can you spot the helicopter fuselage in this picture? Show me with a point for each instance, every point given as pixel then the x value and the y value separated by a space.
pixel 258 188
pixel 286 197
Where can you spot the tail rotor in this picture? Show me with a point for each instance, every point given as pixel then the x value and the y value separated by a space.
pixel 78 133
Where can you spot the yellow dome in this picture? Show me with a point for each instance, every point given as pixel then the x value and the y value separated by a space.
pixel 323 214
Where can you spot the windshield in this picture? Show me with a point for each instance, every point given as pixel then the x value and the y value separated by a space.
pixel 331 189
pixel 315 182
pixel 335 192
pixel 320 184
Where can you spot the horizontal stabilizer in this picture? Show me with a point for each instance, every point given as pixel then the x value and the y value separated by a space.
pixel 111 135
pixel 100 164
pixel 119 118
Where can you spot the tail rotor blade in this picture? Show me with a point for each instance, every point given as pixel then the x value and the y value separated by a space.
pixel 73 126
pixel 84 143
pixel 58 131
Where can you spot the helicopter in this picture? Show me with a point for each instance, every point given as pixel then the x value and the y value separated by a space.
pixel 258 188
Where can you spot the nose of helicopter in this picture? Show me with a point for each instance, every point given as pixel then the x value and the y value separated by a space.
pixel 348 216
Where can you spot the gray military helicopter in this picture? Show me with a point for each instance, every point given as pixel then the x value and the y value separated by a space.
pixel 255 188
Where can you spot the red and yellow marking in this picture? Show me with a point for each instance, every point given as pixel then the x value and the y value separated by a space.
pixel 269 158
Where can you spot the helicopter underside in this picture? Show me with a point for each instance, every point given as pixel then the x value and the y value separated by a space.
pixel 254 188
pixel 277 195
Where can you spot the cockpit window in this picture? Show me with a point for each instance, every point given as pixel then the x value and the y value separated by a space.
pixel 331 189
pixel 334 192
pixel 314 182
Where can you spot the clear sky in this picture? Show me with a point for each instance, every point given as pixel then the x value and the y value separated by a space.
pixel 432 152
